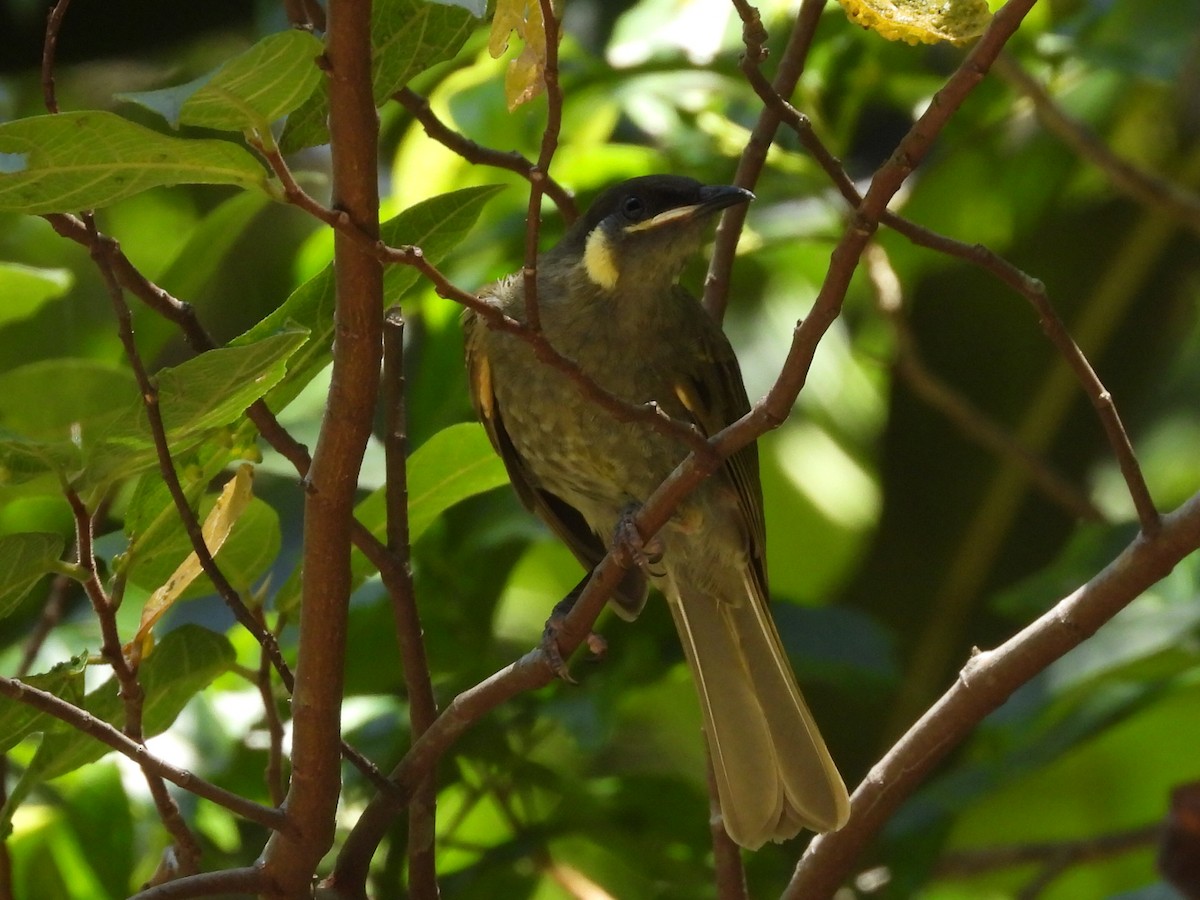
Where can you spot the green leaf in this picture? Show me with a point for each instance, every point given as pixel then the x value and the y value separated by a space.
pixel 18 720
pixel 436 225
pixel 456 463
pixel 201 256
pixel 407 37
pixel 48 430
pixel 185 661
pixel 212 389
pixel 24 559
pixel 248 92
pixel 206 393
pixel 86 160
pixel 22 459
pixel 196 262
pixel 85 398
pixel 25 289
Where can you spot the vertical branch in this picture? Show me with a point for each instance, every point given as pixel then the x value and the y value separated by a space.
pixel 422 813
pixel 730 877
pixel 274 771
pixel 291 860
pixel 538 174
pixel 754 155
pixel 187 855
pixel 54 20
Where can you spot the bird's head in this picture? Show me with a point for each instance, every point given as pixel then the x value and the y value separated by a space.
pixel 643 231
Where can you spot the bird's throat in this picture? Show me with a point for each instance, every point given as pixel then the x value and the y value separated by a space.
pixel 598 260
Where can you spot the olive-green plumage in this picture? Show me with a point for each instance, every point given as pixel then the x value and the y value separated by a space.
pixel 608 300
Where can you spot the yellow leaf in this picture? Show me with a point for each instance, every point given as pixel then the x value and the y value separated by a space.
pixel 921 21
pixel 523 79
pixel 234 499
pixel 510 16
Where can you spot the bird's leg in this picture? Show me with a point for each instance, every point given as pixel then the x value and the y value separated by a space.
pixel 549 644
pixel 645 553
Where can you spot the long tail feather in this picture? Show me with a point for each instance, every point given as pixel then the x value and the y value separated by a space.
pixel 774 775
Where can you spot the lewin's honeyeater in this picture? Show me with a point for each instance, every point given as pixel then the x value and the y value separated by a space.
pixel 608 300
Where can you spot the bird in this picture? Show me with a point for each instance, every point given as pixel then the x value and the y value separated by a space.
pixel 608 299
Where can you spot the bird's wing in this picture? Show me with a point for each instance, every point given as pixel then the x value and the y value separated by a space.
pixel 564 520
pixel 712 392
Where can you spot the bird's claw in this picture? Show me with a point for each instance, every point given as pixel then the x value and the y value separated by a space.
pixel 596 645
pixel 645 553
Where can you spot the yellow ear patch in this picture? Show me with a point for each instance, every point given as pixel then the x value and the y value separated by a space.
pixel 598 260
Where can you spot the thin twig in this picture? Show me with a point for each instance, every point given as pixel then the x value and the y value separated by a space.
pixel 728 873
pixel 537 175
pixel 276 785
pixel 1132 180
pixel 422 813
pixel 187 857
pixel 967 863
pixel 473 152
pixel 1028 287
pixel 54 21
pixel 984 683
pixel 183 315
pixel 101 248
pixel 953 405
pixel 86 723
pixel 247 881
pixel 754 154
pixel 52 612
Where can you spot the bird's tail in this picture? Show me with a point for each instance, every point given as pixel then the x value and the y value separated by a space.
pixel 773 773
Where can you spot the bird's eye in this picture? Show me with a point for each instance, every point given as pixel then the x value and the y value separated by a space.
pixel 633 208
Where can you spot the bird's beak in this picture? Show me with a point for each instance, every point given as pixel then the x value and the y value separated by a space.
pixel 713 197
pixel 719 196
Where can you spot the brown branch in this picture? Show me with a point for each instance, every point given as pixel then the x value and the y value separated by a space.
pixel 51 615
pixel 103 250
pixel 533 212
pixel 276 785
pixel 1057 854
pixel 987 680
pixel 183 315
pixel 729 874
pixel 422 814
pixel 54 20
pixel 1137 183
pixel 472 152
pixel 953 405
pixel 85 722
pixel 1028 287
pixel 291 860
pixel 187 856
pixel 247 881
pixel 754 154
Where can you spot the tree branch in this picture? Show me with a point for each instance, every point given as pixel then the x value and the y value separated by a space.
pixel 984 683
pixel 1137 183
pixel 291 860
pixel 957 408
pixel 472 152
pixel 85 722
pixel 422 814
pixel 754 154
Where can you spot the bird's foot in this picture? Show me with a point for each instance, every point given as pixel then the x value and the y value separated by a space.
pixel 645 553
pixel 596 645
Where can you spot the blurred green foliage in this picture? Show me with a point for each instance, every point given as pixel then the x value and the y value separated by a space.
pixel 895 543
